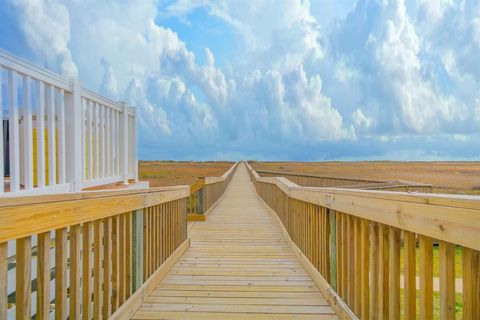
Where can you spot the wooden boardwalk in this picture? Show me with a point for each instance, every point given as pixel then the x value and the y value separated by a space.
pixel 239 266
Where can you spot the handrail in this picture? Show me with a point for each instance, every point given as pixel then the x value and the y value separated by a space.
pixel 281 173
pixel 354 239
pixel 120 238
pixel 26 216
pixel 24 67
pixel 206 191
pixel 312 180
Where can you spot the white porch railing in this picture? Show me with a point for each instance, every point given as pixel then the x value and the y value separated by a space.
pixel 94 137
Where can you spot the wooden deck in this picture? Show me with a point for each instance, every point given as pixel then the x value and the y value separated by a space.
pixel 239 266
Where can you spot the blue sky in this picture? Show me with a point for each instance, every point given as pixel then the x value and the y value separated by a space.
pixel 271 80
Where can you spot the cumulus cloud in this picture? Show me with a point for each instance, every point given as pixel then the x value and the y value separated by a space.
pixel 109 84
pixel 361 122
pixel 46 25
pixel 294 82
pixel 379 40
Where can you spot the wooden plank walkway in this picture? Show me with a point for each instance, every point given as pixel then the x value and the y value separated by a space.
pixel 239 266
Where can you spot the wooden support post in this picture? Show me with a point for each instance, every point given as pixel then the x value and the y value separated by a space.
pixel 394 274
pixel 137 249
pixel 471 283
pixel 426 277
pixel 61 274
pixel 333 249
pixel 23 278
pixel 446 252
pixel 3 280
pixel 409 297
pixel 373 263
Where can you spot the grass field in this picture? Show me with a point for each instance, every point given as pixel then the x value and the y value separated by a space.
pixel 169 173
pixel 445 177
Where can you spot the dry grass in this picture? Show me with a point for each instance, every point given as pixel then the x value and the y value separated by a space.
pixel 445 177
pixel 169 173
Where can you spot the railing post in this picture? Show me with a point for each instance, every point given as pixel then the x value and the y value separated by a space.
pixel 124 142
pixel 137 249
pixel 201 200
pixel 134 149
pixel 74 137
pixel 333 249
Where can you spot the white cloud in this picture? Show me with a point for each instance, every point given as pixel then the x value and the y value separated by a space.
pixel 361 122
pixel 379 41
pixel 293 79
pixel 46 25
pixel 109 84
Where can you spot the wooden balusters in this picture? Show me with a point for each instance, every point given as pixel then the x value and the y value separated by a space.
pixel 383 271
pixel 426 277
pixel 23 278
pixel 447 280
pixel 394 274
pixel 87 311
pixel 98 274
pixel 74 265
pixel 365 256
pixel 115 262
pixel 410 290
pixel 373 264
pixel 471 283
pixel 107 268
pixel 61 273
pixel 3 280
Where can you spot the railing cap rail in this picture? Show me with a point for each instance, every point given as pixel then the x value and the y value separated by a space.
pixel 403 182
pixel 18 201
pixel 24 67
pixel 211 180
pixel 28 216
pixel 451 218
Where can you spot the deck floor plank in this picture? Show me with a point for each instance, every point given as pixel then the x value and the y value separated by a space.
pixel 239 266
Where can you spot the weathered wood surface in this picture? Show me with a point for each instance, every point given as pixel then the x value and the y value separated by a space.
pixel 239 266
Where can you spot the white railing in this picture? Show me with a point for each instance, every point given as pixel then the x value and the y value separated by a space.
pixel 94 137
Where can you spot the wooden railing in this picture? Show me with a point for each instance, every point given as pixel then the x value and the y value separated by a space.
pixel 311 180
pixel 58 136
pixel 88 255
pixel 206 191
pixel 356 239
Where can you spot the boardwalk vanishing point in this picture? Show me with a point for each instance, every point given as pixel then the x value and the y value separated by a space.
pixel 239 266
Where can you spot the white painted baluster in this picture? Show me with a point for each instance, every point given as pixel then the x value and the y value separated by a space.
pixel 2 174
pixel 115 143
pixel 40 126
pixel 52 165
pixel 108 137
pixel 95 140
pixel 130 146
pixel 101 153
pixel 27 134
pixel 134 147
pixel 60 103
pixel 89 141
pixel 14 134
pixel 84 138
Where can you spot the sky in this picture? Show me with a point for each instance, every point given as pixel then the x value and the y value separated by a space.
pixel 271 80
